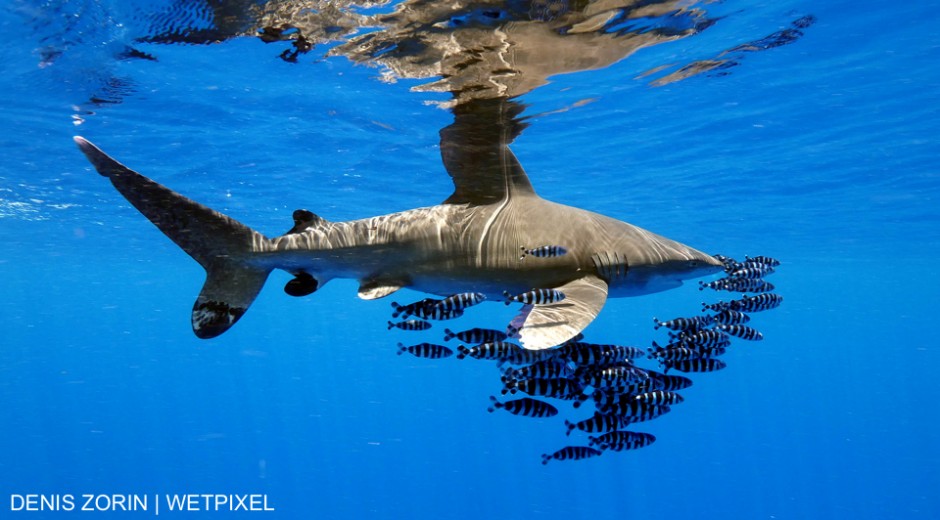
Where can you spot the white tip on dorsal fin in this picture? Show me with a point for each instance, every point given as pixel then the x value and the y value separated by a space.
pixel 548 325
pixel 374 289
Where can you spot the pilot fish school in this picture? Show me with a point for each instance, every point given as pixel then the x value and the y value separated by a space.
pixel 576 372
pixel 139 502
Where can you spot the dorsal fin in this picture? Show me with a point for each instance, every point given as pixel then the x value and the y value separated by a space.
pixel 476 154
pixel 304 220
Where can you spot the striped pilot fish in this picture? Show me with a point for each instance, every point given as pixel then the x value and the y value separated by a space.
pixel 741 285
pixel 525 406
pixel 730 317
pixel 571 453
pixel 751 272
pixel 605 397
pixel 708 352
pixel 440 313
pixel 761 259
pixel 731 265
pixel 543 252
pixel 690 323
pixel 671 353
pixel 612 376
pixel 622 440
pixel 660 398
pixel 630 410
pixel 742 331
pixel 426 350
pixel 757 303
pixel 544 369
pixel 495 350
pixel 669 382
pixel 599 422
pixel 461 301
pixel 557 387
pixel 476 335
pixel 646 413
pixel 524 356
pixel 429 309
pixel 410 325
pixel 417 308
pixel 696 365
pixel 582 353
pixel 621 353
pixel 535 297
pixel 704 338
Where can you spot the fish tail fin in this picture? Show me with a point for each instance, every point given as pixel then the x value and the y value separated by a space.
pixel 496 404
pixel 652 351
pixel 219 243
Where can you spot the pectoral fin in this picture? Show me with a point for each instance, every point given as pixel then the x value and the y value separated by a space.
pixel 547 325
pixel 374 289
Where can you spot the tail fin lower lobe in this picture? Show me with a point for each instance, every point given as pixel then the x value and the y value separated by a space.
pixel 220 244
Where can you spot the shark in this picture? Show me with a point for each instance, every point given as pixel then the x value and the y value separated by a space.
pixel 469 243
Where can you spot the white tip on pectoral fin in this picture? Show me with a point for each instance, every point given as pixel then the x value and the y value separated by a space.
pixel 548 325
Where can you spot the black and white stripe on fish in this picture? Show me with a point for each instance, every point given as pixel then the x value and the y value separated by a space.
pixel 543 252
pixel 426 350
pixel 526 407
pixel 535 297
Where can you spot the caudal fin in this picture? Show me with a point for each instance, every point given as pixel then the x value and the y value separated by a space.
pixel 220 244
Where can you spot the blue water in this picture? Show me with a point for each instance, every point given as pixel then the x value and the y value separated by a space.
pixel 821 152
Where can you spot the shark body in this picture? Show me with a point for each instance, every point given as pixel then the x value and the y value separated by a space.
pixel 469 243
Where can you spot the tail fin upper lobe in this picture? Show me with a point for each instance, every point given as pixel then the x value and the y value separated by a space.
pixel 220 244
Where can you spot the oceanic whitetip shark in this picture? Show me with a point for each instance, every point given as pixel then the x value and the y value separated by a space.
pixel 469 243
